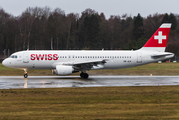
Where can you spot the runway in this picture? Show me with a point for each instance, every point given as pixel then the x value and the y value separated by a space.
pixel 11 82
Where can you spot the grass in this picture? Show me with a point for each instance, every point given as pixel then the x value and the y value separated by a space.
pixel 154 69
pixel 155 103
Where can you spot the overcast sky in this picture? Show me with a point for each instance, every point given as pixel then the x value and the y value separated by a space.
pixel 108 7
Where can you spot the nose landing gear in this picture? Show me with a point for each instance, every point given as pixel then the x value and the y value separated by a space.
pixel 25 73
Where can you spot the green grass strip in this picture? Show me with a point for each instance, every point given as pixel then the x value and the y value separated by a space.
pixel 160 102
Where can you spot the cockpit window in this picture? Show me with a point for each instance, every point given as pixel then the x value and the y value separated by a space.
pixel 13 56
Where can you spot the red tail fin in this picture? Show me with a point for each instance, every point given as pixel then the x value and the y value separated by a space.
pixel 159 39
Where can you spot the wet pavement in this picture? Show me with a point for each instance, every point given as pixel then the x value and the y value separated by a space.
pixel 11 82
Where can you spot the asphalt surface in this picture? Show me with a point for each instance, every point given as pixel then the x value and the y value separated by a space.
pixel 11 82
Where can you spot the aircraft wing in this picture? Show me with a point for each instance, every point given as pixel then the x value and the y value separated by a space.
pixel 84 65
pixel 88 65
pixel 90 62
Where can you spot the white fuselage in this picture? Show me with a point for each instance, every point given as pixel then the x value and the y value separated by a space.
pixel 49 59
pixel 68 62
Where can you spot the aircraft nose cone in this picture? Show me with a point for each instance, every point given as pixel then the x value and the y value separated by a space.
pixel 4 62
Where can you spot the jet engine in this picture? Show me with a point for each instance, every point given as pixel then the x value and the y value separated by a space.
pixel 63 70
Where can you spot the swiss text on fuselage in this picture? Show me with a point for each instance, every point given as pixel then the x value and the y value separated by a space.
pixel 44 57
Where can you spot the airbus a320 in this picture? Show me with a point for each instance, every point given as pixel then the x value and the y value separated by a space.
pixel 66 62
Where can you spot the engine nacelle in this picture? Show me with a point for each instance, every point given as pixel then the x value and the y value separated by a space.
pixel 63 70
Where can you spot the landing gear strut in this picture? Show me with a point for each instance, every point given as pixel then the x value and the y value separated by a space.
pixel 84 75
pixel 25 73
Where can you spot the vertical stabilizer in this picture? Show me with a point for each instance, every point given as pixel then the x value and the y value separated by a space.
pixel 159 39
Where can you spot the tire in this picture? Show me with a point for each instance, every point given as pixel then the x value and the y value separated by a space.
pixel 81 75
pixel 84 75
pixel 25 75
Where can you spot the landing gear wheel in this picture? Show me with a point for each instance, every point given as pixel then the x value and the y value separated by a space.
pixel 25 75
pixel 84 75
pixel 81 75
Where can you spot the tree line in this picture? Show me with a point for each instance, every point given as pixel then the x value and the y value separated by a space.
pixel 45 29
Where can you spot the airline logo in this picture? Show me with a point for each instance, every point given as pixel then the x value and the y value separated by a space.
pixel 160 37
pixel 44 57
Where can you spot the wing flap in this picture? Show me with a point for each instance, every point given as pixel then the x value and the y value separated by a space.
pixel 88 65
pixel 89 62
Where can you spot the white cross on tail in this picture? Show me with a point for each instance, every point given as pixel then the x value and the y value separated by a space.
pixel 160 37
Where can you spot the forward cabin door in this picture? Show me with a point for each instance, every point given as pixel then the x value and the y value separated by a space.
pixel 139 57
pixel 25 57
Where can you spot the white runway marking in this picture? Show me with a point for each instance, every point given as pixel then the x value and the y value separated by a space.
pixel 11 82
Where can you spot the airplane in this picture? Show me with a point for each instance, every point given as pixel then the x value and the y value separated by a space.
pixel 66 62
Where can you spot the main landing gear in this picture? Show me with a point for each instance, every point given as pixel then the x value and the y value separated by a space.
pixel 84 75
pixel 25 73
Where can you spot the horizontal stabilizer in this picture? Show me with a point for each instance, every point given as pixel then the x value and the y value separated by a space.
pixel 162 55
